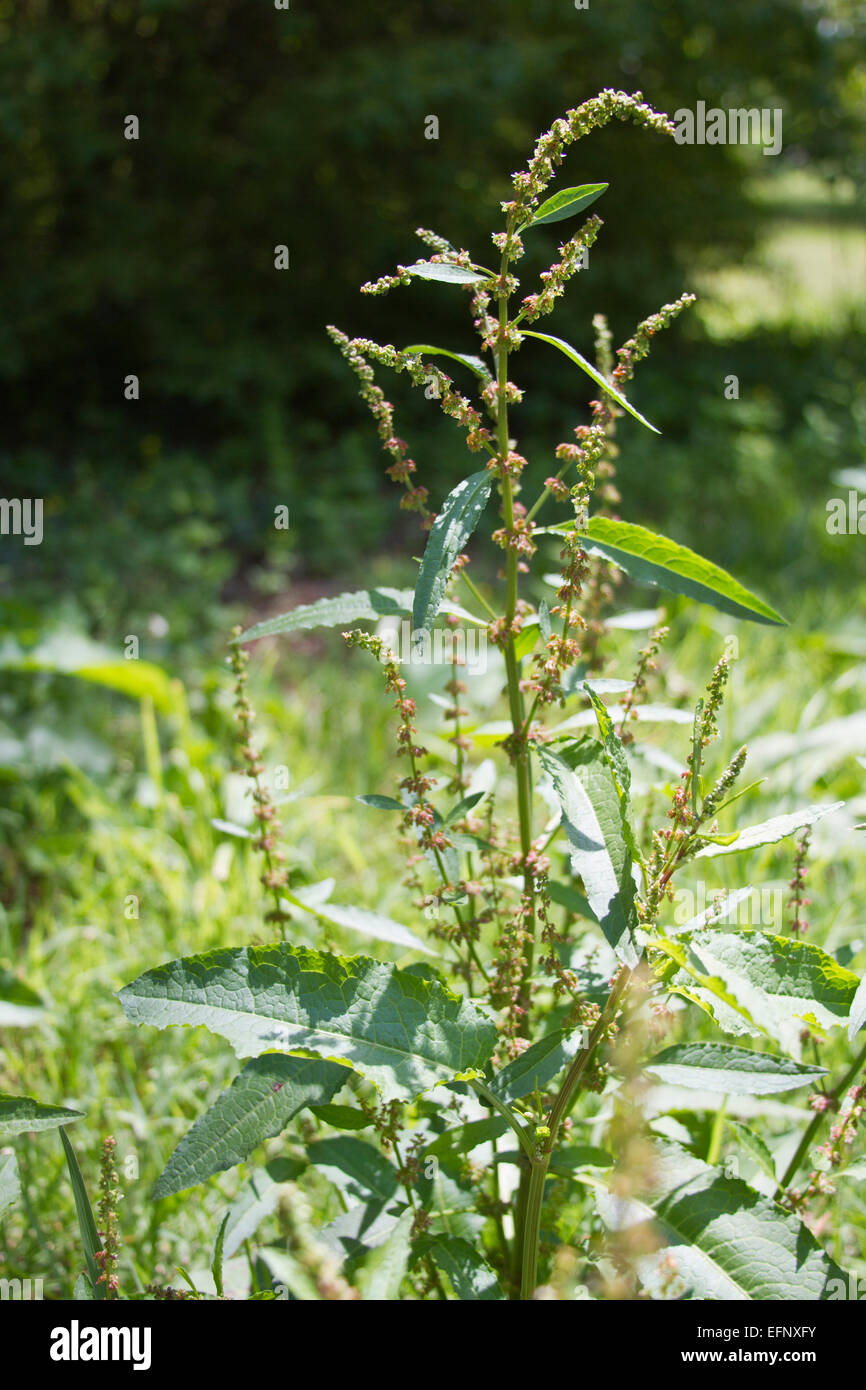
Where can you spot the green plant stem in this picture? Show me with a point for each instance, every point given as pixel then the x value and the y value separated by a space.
pixel 545 492
pixel 502 1109
pixel 520 747
pixel 814 1124
pixel 512 667
pixel 715 1145
pixel 540 1162
pixel 477 595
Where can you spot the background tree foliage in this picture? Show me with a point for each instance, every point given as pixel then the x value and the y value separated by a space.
pixel 306 127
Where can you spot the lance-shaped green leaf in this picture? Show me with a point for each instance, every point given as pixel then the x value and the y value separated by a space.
pixel 356 1168
pixel 341 1116
pixel 23 1115
pixel 380 803
pixel 617 762
pixel 769 832
pixel 383 1270
pixel 475 364
pixel 363 921
pixel 90 1242
pixel 566 896
pixel 446 271
pixel 857 1016
pixel 590 370
pixel 576 1157
pixel 614 751
pixel 404 1033
pixel 260 1102
pixel 462 1139
pixel 592 816
pixel 365 605
pixel 448 536
pixel 738 1071
pixel 754 1146
pixel 754 982
pixel 652 559
pixel 724 1239
pixel 10 1185
pixel 536 1067
pixel 257 1199
pixel 566 203
pixel 470 1276
pixel 216 1267
pixel 463 807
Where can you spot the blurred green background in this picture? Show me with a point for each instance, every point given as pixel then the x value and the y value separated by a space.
pixel 154 257
pixel 305 127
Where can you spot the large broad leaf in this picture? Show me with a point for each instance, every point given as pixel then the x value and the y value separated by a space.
pixel 536 1067
pixel 769 832
pixel 10 1185
pixel 566 203
pixel 366 605
pixel 258 1105
pixel 592 817
pixel 470 1276
pixel 709 1066
pixel 448 536
pixel 590 370
pixel 446 271
pixel 475 364
pixel 722 1238
pixel 404 1033
pixel 652 559
pixel 753 982
pixel 23 1115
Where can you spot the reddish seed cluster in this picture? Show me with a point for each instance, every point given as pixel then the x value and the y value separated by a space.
pixel 274 876
pixel 492 394
pixel 557 277
pixel 842 1136
pixel 798 901
pixel 110 1195
pixel 508 987
pixel 357 351
pixel 420 814
pixel 551 146
pixel 646 664
pixel 638 347
pixel 511 465
pixel 402 468
pixel 517 537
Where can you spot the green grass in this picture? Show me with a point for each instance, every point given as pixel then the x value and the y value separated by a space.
pixel 96 843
